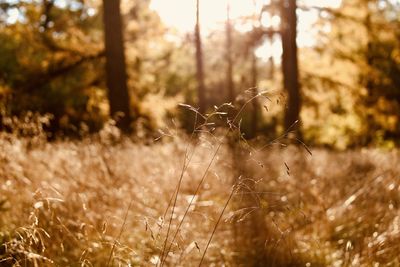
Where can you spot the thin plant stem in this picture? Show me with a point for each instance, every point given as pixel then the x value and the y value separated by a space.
pixel 192 199
pixel 216 225
pixel 120 234
pixel 176 191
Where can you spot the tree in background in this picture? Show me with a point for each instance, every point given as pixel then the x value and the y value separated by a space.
pixel 254 88
pixel 253 44
pixel 52 61
pixel 115 64
pixel 289 65
pixel 199 63
pixel 52 56
pixel 382 69
pixel 290 62
pixel 229 61
pixel 47 57
pixel 362 71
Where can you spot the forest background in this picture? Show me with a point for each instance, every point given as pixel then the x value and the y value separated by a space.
pixel 347 88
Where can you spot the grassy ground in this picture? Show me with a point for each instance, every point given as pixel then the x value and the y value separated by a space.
pixel 103 201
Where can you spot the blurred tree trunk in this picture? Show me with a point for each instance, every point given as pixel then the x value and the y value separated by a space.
pixel 115 64
pixel 199 63
pixel 369 59
pixel 254 84
pixel 290 63
pixel 369 52
pixel 254 75
pixel 229 61
pixel 46 18
pixel 271 68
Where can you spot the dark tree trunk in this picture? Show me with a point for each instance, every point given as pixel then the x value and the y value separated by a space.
pixel 199 63
pixel 115 64
pixel 229 60
pixel 290 63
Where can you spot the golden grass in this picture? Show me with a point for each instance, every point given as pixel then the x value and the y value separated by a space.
pixel 104 199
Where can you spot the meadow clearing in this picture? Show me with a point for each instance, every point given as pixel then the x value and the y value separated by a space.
pixel 107 201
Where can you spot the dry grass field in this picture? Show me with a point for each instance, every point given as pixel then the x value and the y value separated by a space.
pixel 105 201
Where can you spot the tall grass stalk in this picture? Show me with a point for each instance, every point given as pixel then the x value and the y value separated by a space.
pixel 120 233
pixel 216 224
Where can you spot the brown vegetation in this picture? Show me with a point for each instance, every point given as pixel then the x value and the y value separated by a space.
pixel 104 199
